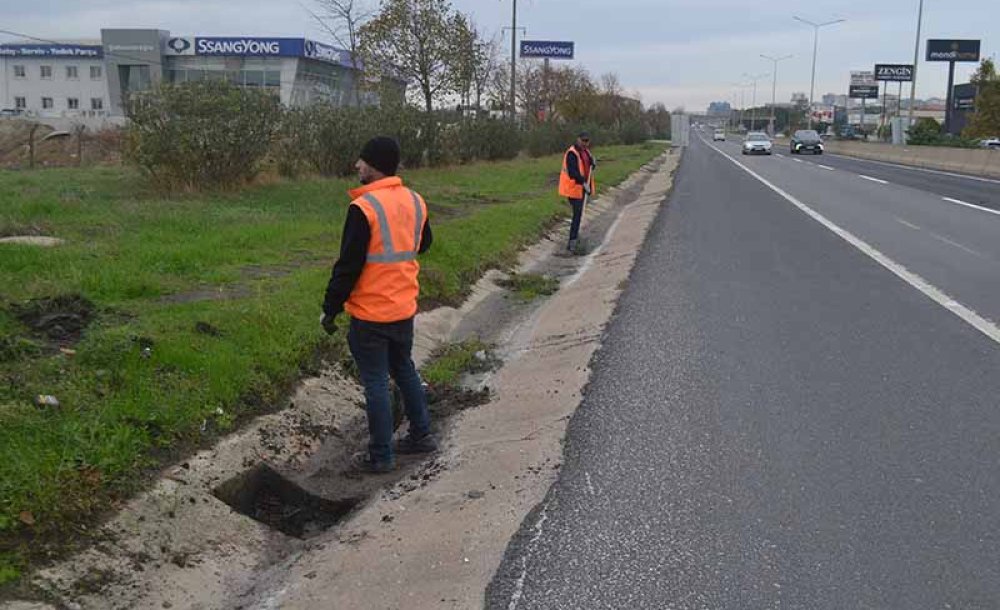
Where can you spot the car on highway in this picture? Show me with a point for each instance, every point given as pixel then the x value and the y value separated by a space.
pixel 757 143
pixel 992 143
pixel 806 140
pixel 719 135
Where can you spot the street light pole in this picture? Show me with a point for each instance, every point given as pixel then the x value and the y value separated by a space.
pixel 774 86
pixel 812 86
pixel 513 64
pixel 916 61
pixel 753 102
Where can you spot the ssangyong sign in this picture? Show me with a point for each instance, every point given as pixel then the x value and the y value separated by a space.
pixel 952 50
pixel 254 47
pixel 547 49
pixel 900 73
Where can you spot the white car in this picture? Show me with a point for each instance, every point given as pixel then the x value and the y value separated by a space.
pixel 719 135
pixel 757 143
pixel 993 143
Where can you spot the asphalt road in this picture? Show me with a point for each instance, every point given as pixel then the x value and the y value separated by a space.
pixel 778 420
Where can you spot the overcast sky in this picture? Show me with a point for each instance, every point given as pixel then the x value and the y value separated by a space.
pixel 679 52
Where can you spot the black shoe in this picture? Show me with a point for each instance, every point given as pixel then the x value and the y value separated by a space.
pixel 411 446
pixel 362 462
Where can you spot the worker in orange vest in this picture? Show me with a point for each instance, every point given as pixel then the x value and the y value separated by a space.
pixel 576 182
pixel 375 281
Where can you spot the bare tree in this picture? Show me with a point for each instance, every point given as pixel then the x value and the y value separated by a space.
pixel 411 39
pixel 342 21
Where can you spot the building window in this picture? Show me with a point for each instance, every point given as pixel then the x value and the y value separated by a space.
pixel 47 103
pixel 20 103
pixel 96 103
pixel 72 73
pixel 46 71
pixel 73 103
pixel 95 72
pixel 20 72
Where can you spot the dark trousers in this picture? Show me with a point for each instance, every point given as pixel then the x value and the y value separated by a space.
pixel 381 350
pixel 574 227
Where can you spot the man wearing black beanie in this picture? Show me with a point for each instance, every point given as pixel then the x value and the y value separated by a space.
pixel 376 282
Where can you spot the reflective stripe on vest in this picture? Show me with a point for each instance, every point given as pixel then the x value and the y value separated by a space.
pixel 389 254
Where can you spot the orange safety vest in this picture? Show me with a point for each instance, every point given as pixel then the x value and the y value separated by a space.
pixel 388 287
pixel 567 186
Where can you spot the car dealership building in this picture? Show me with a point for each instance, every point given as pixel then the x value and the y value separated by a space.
pixel 90 79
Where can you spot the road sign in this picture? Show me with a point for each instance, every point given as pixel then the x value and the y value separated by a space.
pixel 862 77
pixel 901 73
pixel 547 49
pixel 952 50
pixel 865 92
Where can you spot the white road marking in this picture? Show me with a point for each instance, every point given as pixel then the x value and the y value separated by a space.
pixel 970 317
pixel 515 597
pixel 971 205
pixel 918 169
pixel 590 484
pixel 826 167
pixel 879 180
pixel 799 161
pixel 779 155
pixel 941 238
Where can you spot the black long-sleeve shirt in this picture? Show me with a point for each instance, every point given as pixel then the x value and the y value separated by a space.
pixel 353 254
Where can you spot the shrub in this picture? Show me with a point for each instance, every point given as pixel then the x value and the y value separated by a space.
pixel 204 135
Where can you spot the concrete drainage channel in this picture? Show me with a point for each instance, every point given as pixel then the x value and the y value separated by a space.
pixel 278 489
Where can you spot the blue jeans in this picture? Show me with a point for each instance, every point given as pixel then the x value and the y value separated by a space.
pixel 381 350
pixel 574 227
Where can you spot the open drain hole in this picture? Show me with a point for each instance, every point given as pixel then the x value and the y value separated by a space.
pixel 264 495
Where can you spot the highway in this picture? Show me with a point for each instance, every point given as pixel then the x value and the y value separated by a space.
pixel 795 406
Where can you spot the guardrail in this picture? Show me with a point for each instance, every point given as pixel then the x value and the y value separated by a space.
pixel 978 162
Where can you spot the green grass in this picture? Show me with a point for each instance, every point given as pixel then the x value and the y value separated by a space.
pixel 142 258
pixel 530 286
pixel 449 363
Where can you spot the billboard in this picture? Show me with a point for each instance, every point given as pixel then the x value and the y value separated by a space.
pixel 965 97
pixel 952 50
pixel 547 49
pixel 257 47
pixel 823 113
pixel 64 51
pixel 867 92
pixel 899 73
pixel 862 77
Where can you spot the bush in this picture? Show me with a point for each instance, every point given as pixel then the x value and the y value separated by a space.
pixel 204 135
pixel 927 132
pixel 481 139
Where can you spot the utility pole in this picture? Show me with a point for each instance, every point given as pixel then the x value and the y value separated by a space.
pixel 513 63
pixel 753 102
pixel 812 86
pixel 916 61
pixel 774 87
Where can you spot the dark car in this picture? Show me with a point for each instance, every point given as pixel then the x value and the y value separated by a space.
pixel 806 141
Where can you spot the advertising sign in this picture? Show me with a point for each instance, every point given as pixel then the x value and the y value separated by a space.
pixel 822 113
pixel 249 47
pixel 952 50
pixel 66 51
pixel 868 92
pixel 965 97
pixel 547 49
pixel 324 52
pixel 862 77
pixel 898 73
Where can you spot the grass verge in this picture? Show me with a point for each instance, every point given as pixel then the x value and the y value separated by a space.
pixel 530 286
pixel 192 314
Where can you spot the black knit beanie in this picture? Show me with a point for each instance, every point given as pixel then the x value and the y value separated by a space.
pixel 382 153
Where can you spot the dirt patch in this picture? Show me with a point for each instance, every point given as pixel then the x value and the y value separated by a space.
pixel 61 319
pixel 266 496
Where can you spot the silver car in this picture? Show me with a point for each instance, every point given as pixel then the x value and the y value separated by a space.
pixel 757 143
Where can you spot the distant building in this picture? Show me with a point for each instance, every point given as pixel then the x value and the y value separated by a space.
pixel 830 99
pixel 800 100
pixel 91 79
pixel 719 109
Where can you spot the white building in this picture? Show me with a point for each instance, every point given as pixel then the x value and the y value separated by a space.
pixel 54 80
pixel 80 81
